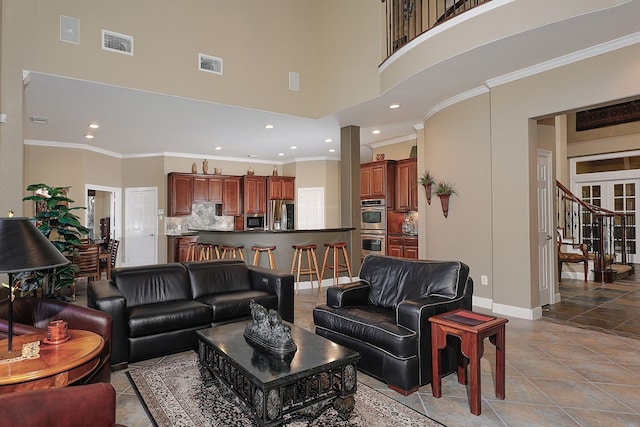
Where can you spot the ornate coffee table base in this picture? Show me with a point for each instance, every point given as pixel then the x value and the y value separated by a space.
pixel 307 393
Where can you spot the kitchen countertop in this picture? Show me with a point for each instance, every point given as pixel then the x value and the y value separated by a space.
pixel 321 230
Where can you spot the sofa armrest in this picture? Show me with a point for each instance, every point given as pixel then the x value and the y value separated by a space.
pixel 93 404
pixel 103 295
pixel 276 283
pixel 354 293
pixel 414 313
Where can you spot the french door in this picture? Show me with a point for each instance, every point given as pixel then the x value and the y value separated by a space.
pixel 619 196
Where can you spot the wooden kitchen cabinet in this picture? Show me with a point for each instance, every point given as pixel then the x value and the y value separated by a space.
pixel 402 246
pixel 232 196
pixel 207 189
pixel 378 181
pixel 410 247
pixel 394 246
pixel 281 187
pixel 180 189
pixel 407 185
pixel 177 247
pixel 255 194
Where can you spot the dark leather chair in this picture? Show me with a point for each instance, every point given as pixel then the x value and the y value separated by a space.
pixel 86 405
pixel 32 315
pixel 385 316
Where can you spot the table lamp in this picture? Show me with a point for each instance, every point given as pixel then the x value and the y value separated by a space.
pixel 24 248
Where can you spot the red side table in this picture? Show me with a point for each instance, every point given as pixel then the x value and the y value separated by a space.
pixel 472 328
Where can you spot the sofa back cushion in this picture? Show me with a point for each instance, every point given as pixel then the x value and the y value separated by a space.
pixel 218 276
pixel 151 284
pixel 393 279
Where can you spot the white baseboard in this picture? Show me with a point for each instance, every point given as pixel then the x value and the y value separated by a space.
pixel 508 310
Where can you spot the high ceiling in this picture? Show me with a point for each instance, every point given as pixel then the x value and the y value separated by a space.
pixel 134 122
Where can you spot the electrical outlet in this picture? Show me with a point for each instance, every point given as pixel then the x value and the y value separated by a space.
pixel 484 280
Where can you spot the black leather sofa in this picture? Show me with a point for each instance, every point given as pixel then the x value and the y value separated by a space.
pixel 384 316
pixel 156 309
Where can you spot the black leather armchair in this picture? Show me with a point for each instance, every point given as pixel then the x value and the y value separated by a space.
pixel 32 315
pixel 384 316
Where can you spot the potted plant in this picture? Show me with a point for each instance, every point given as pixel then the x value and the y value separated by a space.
pixel 444 190
pixel 58 222
pixel 427 182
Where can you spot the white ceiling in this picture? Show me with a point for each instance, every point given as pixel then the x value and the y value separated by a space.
pixel 137 123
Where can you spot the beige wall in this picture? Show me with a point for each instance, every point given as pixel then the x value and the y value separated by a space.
pixel 398 151
pixel 449 155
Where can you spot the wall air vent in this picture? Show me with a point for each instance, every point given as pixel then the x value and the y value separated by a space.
pixel 117 42
pixel 210 64
pixel 40 120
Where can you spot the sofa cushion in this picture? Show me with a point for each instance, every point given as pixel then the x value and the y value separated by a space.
pixel 373 325
pixel 151 319
pixel 233 305
pixel 150 284
pixel 218 276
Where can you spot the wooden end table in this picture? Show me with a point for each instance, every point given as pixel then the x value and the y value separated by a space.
pixel 472 328
pixel 58 365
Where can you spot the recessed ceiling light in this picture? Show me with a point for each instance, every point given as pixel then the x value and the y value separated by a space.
pixel 268 126
pixel 218 148
pixel 94 125
pixel 293 147
pixel 394 106
pixel 328 140
pixel 88 136
pixel 375 132
pixel 280 154
pixel 332 150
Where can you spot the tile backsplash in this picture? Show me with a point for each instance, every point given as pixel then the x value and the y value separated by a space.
pixel 203 217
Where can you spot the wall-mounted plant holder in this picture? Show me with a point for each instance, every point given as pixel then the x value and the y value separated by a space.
pixel 444 190
pixel 427 182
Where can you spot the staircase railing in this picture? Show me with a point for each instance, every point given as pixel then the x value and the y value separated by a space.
pixel 407 19
pixel 603 230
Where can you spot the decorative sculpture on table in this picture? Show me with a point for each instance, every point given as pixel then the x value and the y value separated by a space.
pixel 269 333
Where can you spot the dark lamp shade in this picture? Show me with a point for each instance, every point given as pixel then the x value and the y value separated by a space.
pixel 23 247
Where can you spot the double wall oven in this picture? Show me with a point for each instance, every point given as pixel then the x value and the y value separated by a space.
pixel 373 227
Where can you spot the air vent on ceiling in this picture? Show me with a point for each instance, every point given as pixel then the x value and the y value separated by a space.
pixel 115 42
pixel 210 64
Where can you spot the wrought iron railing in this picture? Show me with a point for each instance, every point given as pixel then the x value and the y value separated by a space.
pixel 603 230
pixel 407 19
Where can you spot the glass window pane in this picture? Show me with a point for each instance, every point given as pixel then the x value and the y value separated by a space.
pixel 586 192
pixel 617 190
pixel 618 204
pixel 596 191
pixel 631 204
pixel 631 189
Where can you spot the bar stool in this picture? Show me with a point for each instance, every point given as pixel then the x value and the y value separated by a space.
pixel 269 250
pixel 206 250
pixel 312 264
pixel 193 254
pixel 337 266
pixel 232 250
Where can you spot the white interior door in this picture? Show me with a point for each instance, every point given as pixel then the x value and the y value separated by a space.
pixel 546 233
pixel 310 208
pixel 141 226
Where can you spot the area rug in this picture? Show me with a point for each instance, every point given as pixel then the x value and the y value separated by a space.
pixel 176 394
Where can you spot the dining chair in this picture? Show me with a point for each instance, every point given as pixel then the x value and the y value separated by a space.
pixel 86 257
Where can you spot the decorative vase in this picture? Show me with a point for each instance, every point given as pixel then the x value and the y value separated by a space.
pixel 205 166
pixel 275 171
pixel 250 171
pixel 444 201
pixel 194 168
pixel 427 192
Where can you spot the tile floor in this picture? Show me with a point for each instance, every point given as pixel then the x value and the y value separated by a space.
pixel 556 374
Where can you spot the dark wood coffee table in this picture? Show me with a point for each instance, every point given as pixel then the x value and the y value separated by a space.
pixel 320 372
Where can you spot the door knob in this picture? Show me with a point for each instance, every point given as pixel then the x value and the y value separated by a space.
pixel 549 237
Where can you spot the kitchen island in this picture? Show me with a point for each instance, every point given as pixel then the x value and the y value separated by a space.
pixel 284 240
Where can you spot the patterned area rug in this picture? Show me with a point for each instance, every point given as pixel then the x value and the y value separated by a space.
pixel 175 393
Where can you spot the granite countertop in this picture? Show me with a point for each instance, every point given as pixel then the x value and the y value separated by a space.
pixel 323 230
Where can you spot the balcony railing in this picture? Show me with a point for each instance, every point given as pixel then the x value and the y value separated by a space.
pixel 407 19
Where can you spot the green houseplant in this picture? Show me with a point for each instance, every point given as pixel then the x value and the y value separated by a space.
pixel 444 190
pixel 427 181
pixel 57 221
